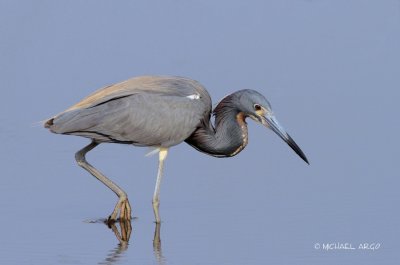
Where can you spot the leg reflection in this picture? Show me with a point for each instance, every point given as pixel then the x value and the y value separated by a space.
pixel 123 235
pixel 122 231
pixel 157 245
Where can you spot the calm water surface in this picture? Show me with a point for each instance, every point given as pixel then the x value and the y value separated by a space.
pixel 330 70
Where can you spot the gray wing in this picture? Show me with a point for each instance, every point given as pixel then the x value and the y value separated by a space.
pixel 145 111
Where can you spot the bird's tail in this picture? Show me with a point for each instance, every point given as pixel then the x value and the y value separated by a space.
pixel 73 121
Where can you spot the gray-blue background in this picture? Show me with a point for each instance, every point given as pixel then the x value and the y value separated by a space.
pixel 331 70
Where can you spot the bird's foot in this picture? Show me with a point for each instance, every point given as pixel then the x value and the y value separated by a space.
pixel 123 208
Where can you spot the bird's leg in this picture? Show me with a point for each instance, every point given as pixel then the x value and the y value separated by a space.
pixel 122 206
pixel 156 197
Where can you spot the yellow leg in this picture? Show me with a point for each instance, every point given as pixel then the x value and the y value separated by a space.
pixel 122 206
pixel 156 197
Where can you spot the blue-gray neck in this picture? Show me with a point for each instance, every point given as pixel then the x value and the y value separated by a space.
pixel 227 138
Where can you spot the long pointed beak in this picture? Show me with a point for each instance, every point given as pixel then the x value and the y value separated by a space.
pixel 271 122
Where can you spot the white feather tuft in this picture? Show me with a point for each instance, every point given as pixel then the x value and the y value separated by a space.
pixel 194 96
pixel 153 151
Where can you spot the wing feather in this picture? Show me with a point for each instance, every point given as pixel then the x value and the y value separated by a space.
pixel 145 111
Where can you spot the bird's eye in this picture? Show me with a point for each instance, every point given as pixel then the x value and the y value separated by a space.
pixel 257 107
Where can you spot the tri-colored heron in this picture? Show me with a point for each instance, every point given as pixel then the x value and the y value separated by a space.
pixel 160 112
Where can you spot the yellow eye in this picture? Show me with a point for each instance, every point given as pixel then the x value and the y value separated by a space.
pixel 257 107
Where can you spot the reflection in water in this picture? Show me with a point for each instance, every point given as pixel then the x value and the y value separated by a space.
pixel 126 230
pixel 157 245
pixel 123 235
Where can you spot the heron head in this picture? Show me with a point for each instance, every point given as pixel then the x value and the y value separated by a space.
pixel 257 107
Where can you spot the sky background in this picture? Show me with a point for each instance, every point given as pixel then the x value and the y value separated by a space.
pixel 331 70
